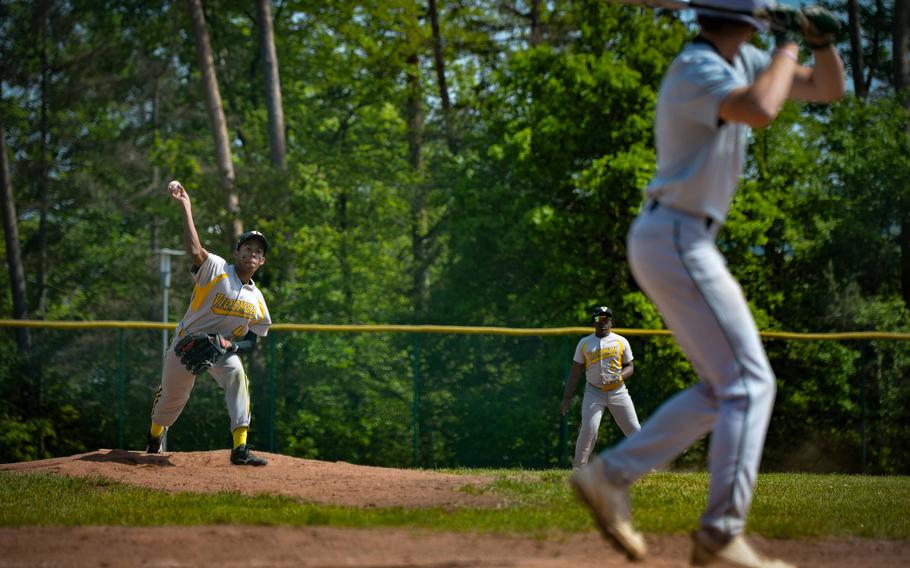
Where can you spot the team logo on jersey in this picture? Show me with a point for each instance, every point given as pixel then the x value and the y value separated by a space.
pixel 605 353
pixel 225 306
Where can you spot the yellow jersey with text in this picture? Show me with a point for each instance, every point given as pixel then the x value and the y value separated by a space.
pixel 222 304
pixel 603 358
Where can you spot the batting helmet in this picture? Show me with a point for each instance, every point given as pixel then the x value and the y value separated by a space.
pixel 741 5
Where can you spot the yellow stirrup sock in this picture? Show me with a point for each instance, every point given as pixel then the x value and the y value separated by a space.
pixel 240 436
pixel 157 430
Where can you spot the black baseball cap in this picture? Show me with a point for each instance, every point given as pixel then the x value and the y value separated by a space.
pixel 602 311
pixel 253 235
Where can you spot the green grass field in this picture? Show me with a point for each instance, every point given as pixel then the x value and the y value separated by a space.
pixel 785 506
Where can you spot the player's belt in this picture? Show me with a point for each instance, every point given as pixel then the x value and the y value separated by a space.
pixel 655 204
pixel 611 386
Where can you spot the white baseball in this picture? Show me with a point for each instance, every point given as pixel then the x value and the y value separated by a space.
pixel 173 186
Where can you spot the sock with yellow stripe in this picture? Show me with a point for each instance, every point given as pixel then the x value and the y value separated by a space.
pixel 240 436
pixel 156 430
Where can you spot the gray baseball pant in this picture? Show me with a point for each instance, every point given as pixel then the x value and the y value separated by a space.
pixel 675 260
pixel 177 383
pixel 618 402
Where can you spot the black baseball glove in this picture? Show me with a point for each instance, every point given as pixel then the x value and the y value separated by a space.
pixel 199 352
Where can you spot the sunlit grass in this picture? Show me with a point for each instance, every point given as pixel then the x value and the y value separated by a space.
pixel 537 503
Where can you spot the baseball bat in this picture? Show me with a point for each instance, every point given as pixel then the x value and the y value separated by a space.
pixel 690 5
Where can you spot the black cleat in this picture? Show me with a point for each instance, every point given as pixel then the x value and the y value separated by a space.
pixel 154 445
pixel 241 455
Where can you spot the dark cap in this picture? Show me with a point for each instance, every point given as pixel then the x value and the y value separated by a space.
pixel 253 235
pixel 736 10
pixel 601 311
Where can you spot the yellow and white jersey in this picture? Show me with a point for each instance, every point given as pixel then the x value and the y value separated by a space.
pixel 222 304
pixel 603 358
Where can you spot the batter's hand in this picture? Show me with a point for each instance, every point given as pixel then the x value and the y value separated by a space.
pixel 819 27
pixel 178 193
pixel 564 408
pixel 786 23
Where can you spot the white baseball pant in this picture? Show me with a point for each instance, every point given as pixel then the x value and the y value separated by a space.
pixel 177 383
pixel 618 402
pixel 676 262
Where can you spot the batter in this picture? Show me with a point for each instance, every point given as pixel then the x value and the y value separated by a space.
pixel 714 92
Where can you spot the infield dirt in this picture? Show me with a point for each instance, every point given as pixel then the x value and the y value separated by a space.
pixel 227 546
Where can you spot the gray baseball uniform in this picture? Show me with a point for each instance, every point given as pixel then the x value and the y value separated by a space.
pixel 675 260
pixel 221 304
pixel 603 358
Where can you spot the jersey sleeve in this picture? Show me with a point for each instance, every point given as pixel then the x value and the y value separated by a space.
pixel 260 326
pixel 626 350
pixel 754 60
pixel 211 267
pixel 580 353
pixel 704 80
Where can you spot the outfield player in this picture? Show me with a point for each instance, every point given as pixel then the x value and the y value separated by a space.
pixel 605 358
pixel 717 88
pixel 225 301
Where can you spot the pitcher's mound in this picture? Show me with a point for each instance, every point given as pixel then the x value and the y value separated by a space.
pixel 336 483
pixel 346 484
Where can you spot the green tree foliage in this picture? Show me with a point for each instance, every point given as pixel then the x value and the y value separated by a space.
pixel 523 219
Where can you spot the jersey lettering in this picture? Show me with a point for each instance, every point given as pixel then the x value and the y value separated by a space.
pixel 599 355
pixel 224 306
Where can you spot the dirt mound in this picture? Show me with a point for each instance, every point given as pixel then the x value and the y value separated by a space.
pixel 336 483
pixel 226 546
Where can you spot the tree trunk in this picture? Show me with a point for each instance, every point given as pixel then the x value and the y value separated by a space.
pixel 899 48
pixel 875 53
pixel 901 77
pixel 419 228
pixel 856 48
pixel 535 36
pixel 904 242
pixel 13 249
pixel 439 64
pixel 344 255
pixel 415 112
pixel 29 364
pixel 156 106
pixel 272 86
pixel 43 189
pixel 216 118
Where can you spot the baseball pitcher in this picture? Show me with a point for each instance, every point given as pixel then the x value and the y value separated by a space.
pixel 717 88
pixel 226 314
pixel 605 358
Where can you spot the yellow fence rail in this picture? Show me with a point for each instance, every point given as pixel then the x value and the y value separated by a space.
pixel 450 329
pixel 416 331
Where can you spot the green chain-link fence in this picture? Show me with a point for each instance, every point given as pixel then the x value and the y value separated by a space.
pixel 442 396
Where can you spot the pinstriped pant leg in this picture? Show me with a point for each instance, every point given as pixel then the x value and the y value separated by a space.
pixel 176 386
pixel 675 260
pixel 231 377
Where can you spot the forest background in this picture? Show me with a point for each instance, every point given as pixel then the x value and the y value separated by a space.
pixel 463 162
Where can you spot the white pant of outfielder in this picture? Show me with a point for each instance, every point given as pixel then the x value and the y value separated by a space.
pixel 177 383
pixel 675 260
pixel 618 402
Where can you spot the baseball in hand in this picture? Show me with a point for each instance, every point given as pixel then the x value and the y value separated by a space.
pixel 174 186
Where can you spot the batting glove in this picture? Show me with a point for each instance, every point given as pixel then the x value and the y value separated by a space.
pixel 819 28
pixel 786 24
